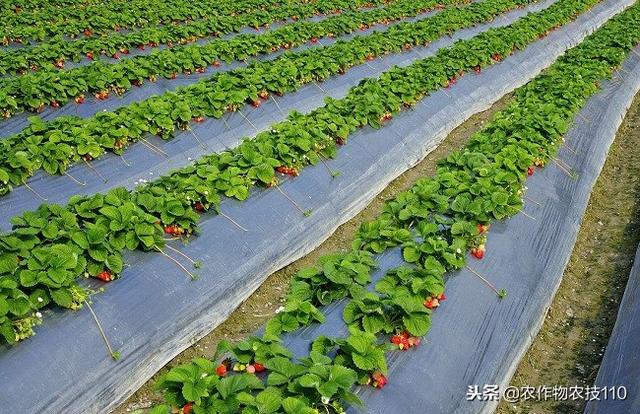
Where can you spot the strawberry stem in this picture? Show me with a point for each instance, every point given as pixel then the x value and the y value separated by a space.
pixel 232 221
pixel 114 355
pixel 306 213
pixel 226 124
pixel 248 121
pixel 521 210
pixel 180 253
pixel 334 173
pixel 320 87
pixel 202 144
pixel 124 161
pixel 184 269
pixel 567 146
pixel 24 182
pixel 92 168
pixel 75 180
pixel 500 293
pixel 571 174
pixel 532 200
pixel 278 106
pixel 153 147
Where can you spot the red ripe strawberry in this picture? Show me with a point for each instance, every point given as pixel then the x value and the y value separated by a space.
pixel 124 51
pixel 477 253
pixel 168 229
pixel 404 344
pixel 79 99
pixel 477 69
pixel 87 157
pixel 116 55
pixel 141 46
pixel 441 297
pixel 431 303
pixel 530 171
pixel 55 104
pixel 198 207
pixel 314 40
pixel 105 276
pixel 90 55
pixel 396 339
pixel 221 370
pixel 174 75
pixel 186 409
pixel 340 141
pixel 258 366
pixel 379 380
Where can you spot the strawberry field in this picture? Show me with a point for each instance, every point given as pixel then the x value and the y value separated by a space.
pixel 158 161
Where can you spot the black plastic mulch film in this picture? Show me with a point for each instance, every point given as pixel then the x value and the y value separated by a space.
pixel 621 363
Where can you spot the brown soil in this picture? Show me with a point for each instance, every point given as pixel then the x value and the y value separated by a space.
pixel 569 348
pixel 262 304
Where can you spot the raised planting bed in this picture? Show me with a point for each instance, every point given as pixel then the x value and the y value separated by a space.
pixel 492 330
pixel 619 376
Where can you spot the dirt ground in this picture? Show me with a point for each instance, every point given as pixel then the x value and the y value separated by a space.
pixel 569 348
pixel 262 304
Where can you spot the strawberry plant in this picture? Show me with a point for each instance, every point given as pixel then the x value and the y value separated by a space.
pixel 362 352
pixel 166 63
pixel 227 91
pixel 53 54
pixel 91 228
pixel 100 19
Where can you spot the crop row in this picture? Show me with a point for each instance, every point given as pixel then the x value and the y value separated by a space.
pixel 8 7
pixel 445 213
pixel 51 248
pixel 105 18
pixel 53 146
pixel 53 54
pixel 54 87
